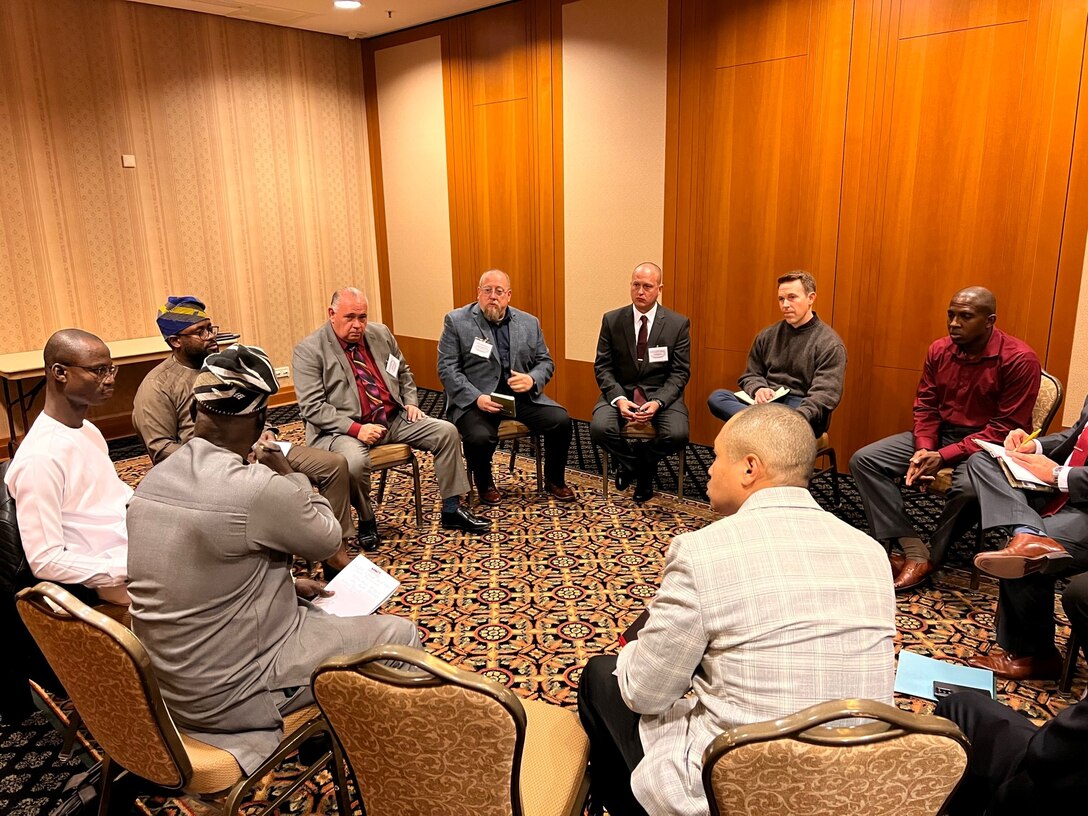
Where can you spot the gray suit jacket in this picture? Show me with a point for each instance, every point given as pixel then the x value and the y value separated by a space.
pixel 1058 446
pixel 466 376
pixel 328 397
pixel 210 546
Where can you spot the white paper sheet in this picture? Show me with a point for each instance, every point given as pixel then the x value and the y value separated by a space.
pixel 361 587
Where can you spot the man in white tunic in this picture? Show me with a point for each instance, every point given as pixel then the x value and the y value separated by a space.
pixel 775 608
pixel 69 499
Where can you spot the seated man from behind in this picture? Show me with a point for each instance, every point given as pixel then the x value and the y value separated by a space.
pixel 1018 768
pixel 70 502
pixel 643 363
pixel 355 390
pixel 1048 535
pixel 800 352
pixel 162 412
pixel 213 530
pixel 977 383
pixel 778 607
pixel 489 347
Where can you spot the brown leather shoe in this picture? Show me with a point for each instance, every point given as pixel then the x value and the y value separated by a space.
pixel 912 574
pixel 1023 555
pixel 1040 667
pixel 560 493
pixel 898 561
pixel 490 495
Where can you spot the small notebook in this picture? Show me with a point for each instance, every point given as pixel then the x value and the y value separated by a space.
pixel 361 587
pixel 743 395
pixel 508 403
pixel 1016 474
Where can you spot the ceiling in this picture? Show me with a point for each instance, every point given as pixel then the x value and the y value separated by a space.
pixel 319 15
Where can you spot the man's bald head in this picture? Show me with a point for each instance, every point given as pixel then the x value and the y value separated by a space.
pixel 351 291
pixel 980 296
pixel 780 436
pixel 648 268
pixel 72 347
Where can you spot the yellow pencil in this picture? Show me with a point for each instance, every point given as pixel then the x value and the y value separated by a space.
pixel 1031 436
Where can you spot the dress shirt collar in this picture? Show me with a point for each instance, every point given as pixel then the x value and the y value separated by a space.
pixel 779 497
pixel 650 315
pixel 992 349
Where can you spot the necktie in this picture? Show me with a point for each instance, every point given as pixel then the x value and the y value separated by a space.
pixel 1076 459
pixel 374 410
pixel 640 346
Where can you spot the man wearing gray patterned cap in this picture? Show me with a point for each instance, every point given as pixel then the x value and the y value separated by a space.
pixel 212 530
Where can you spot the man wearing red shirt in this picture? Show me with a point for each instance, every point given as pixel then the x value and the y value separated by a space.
pixel 977 383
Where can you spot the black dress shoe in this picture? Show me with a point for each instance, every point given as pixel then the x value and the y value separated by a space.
pixel 644 491
pixel 624 477
pixel 463 519
pixel 367 542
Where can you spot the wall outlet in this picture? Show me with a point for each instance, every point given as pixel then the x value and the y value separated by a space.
pixel 282 373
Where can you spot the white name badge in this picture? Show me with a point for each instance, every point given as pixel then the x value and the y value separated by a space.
pixel 481 348
pixel 392 365
pixel 659 354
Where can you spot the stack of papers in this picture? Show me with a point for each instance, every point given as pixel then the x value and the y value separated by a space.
pixel 921 676
pixel 743 395
pixel 361 587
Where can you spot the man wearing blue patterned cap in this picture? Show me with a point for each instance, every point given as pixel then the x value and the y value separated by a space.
pixel 212 531
pixel 163 419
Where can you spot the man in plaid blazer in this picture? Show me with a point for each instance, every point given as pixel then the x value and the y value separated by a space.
pixel 773 609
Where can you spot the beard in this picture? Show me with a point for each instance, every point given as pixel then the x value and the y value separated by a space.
pixel 493 313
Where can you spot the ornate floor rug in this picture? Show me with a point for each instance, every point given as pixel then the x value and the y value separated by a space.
pixel 553 584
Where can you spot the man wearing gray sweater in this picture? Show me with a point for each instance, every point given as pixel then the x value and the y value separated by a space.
pixel 801 354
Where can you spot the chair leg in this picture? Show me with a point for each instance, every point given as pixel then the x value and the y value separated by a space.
pixel 680 475
pixel 107 786
pixel 834 465
pixel 1069 668
pixel 339 779
pixel 416 491
pixel 70 733
pixel 381 486
pixel 514 444
pixel 981 542
pixel 538 443
pixel 604 474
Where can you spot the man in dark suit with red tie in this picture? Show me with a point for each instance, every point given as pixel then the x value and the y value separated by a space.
pixel 1048 536
pixel 643 363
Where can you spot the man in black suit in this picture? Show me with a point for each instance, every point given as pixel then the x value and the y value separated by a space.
pixel 1016 768
pixel 1048 535
pixel 643 363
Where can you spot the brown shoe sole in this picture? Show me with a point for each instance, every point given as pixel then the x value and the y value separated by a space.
pixel 1016 566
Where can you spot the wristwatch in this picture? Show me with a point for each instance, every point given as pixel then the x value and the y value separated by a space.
pixel 1054 475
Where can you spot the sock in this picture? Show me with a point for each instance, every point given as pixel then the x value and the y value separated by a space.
pixel 914 549
pixel 450 504
pixel 1023 528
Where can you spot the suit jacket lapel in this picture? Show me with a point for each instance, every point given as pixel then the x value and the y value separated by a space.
pixel 660 320
pixel 627 327
pixel 380 351
pixel 342 359
pixel 515 339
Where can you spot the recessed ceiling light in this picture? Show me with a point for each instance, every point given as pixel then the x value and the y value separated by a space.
pixel 347 4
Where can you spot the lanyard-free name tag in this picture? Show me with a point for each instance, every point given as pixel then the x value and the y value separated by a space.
pixel 392 365
pixel 659 354
pixel 481 348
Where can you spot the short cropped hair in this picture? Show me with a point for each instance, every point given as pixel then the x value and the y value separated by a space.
pixel 779 436
pixel 807 281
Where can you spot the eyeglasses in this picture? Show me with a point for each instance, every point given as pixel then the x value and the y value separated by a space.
pixel 498 291
pixel 204 333
pixel 98 372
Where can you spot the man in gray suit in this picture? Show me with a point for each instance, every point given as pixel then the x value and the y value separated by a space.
pixel 489 347
pixel 355 390
pixel 212 530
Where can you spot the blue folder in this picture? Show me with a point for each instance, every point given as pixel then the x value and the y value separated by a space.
pixel 916 673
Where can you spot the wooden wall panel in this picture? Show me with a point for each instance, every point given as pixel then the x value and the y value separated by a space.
pixel 251 186
pixel 956 173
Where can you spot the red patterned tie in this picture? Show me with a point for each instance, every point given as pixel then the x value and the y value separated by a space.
pixel 374 411
pixel 1076 459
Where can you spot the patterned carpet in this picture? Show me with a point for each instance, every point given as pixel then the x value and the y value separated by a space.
pixel 549 586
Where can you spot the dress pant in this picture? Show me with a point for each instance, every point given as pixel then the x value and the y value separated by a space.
pixel 640 457
pixel 328 472
pixel 480 434
pixel 615 747
pixel 1075 604
pixel 876 469
pixel 724 404
pixel 1025 624
pixel 427 433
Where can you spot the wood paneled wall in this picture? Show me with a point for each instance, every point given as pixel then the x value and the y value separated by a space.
pixel 897 149
pixel 251 186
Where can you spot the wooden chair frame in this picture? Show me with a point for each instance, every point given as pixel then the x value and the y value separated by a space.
pixel 61 606
pixel 417 491
pixel 641 439
pixel 509 433
pixel 809 726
